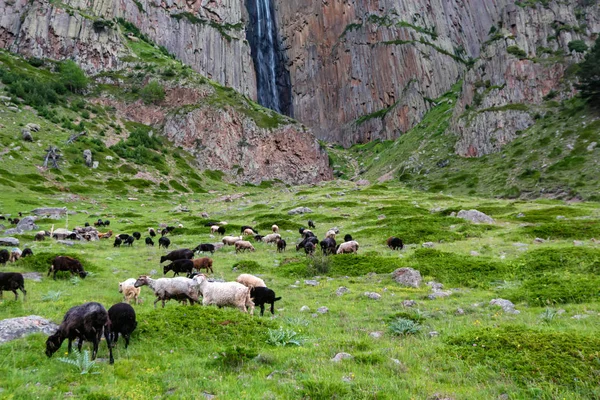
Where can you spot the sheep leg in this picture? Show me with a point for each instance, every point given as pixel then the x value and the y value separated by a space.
pixel 16 295
pixel 0 294
pixel 156 301
pixel 49 270
pixel 70 347
pixel 272 308
pixel 107 337
pixel 80 344
pixel 126 340
pixel 115 338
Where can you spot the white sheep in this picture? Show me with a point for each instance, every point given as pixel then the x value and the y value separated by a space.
pixel 242 245
pixel 230 240
pixel 170 288
pixel 249 232
pixel 330 234
pixel 250 281
pixel 223 223
pixel 348 247
pixel 214 228
pixel 275 229
pixel 271 238
pixel 129 290
pixel 223 294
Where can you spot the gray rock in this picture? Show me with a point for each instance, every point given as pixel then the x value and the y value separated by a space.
pixel 26 135
pixel 95 164
pixel 592 146
pixel 322 310
pixel 66 242
pixel 50 212
pixel 304 308
pixel 475 216
pixel 507 305
pixel 407 277
pixel 373 295
pixel 300 210
pixel 578 243
pixel 341 290
pixel 363 182
pixel 453 214
pixel 474 253
pixel 539 240
pixel 376 334
pixel 27 224
pixel 61 233
pixel 579 316
pixel 460 311
pixel 433 334
pixel 428 245
pixel 439 294
pixel 32 276
pixel 409 303
pixel 435 285
pixel 561 217
pixel 311 282
pixel 33 127
pixel 87 157
pixel 520 215
pixel 9 241
pixel 380 217
pixel 15 328
pixel 204 215
pixel 341 356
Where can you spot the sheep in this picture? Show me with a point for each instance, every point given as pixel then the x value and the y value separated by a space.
pixel 169 288
pixel 330 234
pixel 27 252
pixel 12 281
pixel 164 232
pixel 348 237
pixel 129 290
pixel 281 245
pixel 203 263
pixel 395 243
pixel 123 236
pixel 242 245
pixel 311 224
pixel 122 320
pixel 106 235
pixel 209 224
pixel 129 241
pixel 307 233
pixel 328 246
pixel 222 294
pixel 248 232
pixel 275 229
pixel 221 230
pixel 136 235
pixel 230 240
pixel 309 248
pixel 99 223
pixel 305 241
pixel 258 238
pixel 222 223
pixel 149 242
pixel 40 236
pixel 106 223
pixel 15 254
pixel 180 226
pixel 301 230
pixel 272 238
pixel 164 242
pixel 348 247
pixel 177 266
pixel 84 322
pixel 15 221
pixel 4 256
pixel 263 295
pixel 117 242
pixel 151 232
pixel 214 228
pixel 250 281
pixel 204 247
pixel 64 263
pixel 246 227
pixel 86 224
pixel 181 254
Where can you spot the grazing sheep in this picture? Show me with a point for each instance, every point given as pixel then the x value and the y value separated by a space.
pixel 15 254
pixel 221 230
pixel 275 229
pixel 129 241
pixel 242 245
pixel 230 240
pixel 151 232
pixel 222 223
pixel 106 235
pixel 27 252
pixel 106 223
pixel 180 226
pixel 99 223
pixel 214 228
pixel 248 232
pixel 164 232
pixel 263 295
pixel 181 254
pixel 40 236
pixel 203 263
pixel 258 238
pixel 84 322
pixel 129 290
pixel 301 230
pixel 308 233
pixel 149 242
pixel 271 238
pixel 117 242
pixel 177 266
pixel 330 234
pixel 164 242
pixel 4 256
pixel 348 247
pixel 86 224
pixel 170 288
pixel 246 227
pixel 136 235
pixel 64 263
pixel 309 248
pixel 223 294
pixel 281 245
pixel 123 236
pixel 209 224
pixel 122 320
pixel 11 281
pixel 250 281
pixel 328 246
pixel 305 241
pixel 348 237
pixel 395 243
pixel 311 224
pixel 204 247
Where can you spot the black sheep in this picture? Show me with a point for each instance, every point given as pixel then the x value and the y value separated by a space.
pixel 164 242
pixel 136 235
pixel 64 263
pixel 261 296
pixel 122 320
pixel 11 281
pixel 26 252
pixel 258 238
pixel 348 237
pixel 309 248
pixel 129 241
pixel 395 243
pixel 281 245
pixel 149 242
pixel 221 230
pixel 209 224
pixel 84 322
pixel 181 254
pixel 152 232
pixel 107 223
pixel 301 230
pixel 4 256
pixel 304 242
pixel 86 224
pixel 311 224
pixel 163 232
pixel 118 242
pixel 99 223
pixel 178 266
pixel 123 236
pixel 328 246
pixel 204 247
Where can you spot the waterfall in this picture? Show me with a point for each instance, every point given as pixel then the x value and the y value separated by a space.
pixel 272 78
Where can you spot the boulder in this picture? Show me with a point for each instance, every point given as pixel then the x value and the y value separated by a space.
pixel 310 282
pixel 507 305
pixel 15 328
pixel 322 310
pixel 438 294
pixel 304 309
pixel 61 233
pixel 341 356
pixel 373 295
pixel 300 210
pixel 33 127
pixel 475 216
pixel 26 135
pixel 363 182
pixel 50 212
pixel 342 290
pixel 407 277
pixel 87 157
pixel 409 303
pixel 9 241
pixel 428 245
pixel 27 224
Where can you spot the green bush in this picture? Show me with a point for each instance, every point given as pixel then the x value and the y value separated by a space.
pixel 35 92
pixel 589 74
pixel 72 77
pixel 578 46
pixel 142 148
pixel 516 51
pixel 153 93
pixel 555 288
pixel 247 266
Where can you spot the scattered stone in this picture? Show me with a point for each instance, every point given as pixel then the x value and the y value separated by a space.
pixel 407 277
pixel 26 135
pixel 520 215
pixel 322 310
pixel 396 361
pixel 475 216
pixel 373 295
pixel 474 253
pixel 27 224
pixel 380 217
pixel 507 305
pixel 218 246
pixel 311 282
pixel 341 290
pixel 438 294
pixel 109 158
pixel 561 217
pixel 181 208
pixel 33 276
pixel 50 212
pixel 579 316
pixel 9 241
pixel 460 311
pixel 300 210
pixel 15 328
pixel 409 303
pixel 33 127
pixel 95 164
pixel 304 309
pixel 428 245
pixel 87 157
pixel 66 242
pixel 206 395
pixel 341 356
pixel 363 182
pixel 435 285
pixel 433 334
pixel 376 334
pixel 577 243
pixel 592 146
pixel 561 311
pixel 539 240
pixel 453 214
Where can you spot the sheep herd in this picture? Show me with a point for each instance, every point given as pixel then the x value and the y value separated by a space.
pixel 89 321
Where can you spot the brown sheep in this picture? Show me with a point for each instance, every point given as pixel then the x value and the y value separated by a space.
pixel 64 263
pixel 203 263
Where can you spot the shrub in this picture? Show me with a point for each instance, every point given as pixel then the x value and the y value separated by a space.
pixel 578 46
pixel 247 266
pixel 589 74
pixel 516 51
pixel 153 93
pixel 234 357
pixel 72 77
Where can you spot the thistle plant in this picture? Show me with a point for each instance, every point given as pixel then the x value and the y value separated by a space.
pixel 81 361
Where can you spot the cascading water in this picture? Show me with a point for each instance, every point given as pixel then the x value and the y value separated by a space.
pixel 273 79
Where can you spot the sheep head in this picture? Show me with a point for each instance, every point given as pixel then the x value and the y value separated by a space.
pixel 141 281
pixel 53 343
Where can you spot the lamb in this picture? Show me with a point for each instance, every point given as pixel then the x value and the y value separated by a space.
pixel 117 242
pixel 230 240
pixel 248 232
pixel 204 247
pixel 169 288
pixel 84 322
pixel 272 238
pixel 106 235
pixel 27 252
pixel 309 248
pixel 129 241
pixel 129 290
pixel 328 246
pixel 149 242
pixel 275 229
pixel 203 263
pixel 177 266
pixel 64 263
pixel 164 242
pixel 136 235
pixel 263 295
pixel 348 247
pixel 214 228
pixel 222 294
pixel 40 236
pixel 151 232
pixel 4 256
pixel 250 281
pixel 221 230
pixel 347 237
pixel 395 243
pixel 242 245
pixel 15 254
pixel 12 281
pixel 330 234
pixel 311 224
pixel 281 245
pixel 122 320
pixel 181 254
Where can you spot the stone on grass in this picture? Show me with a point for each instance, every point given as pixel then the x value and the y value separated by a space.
pixel 474 253
pixel 539 240
pixel 15 328
pixel 380 217
pixel 50 212
pixel 376 334
pixel 475 216
pixel 341 290
pixel 407 277
pixel 363 182
pixel 9 241
pixel 428 245
pixel 322 310
pixel 409 303
pixel 433 334
pixel 507 305
pixel 304 308
pixel 435 285
pixel 300 210
pixel 33 276
pixel 341 356
pixel 578 243
pixel 27 224
pixel 373 295
pixel 311 282
pixel 439 294
pixel 66 242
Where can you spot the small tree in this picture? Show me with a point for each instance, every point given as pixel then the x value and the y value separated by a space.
pixel 578 45
pixel 72 76
pixel 589 74
pixel 153 92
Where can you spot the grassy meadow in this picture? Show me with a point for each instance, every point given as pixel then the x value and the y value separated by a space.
pixel 550 350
